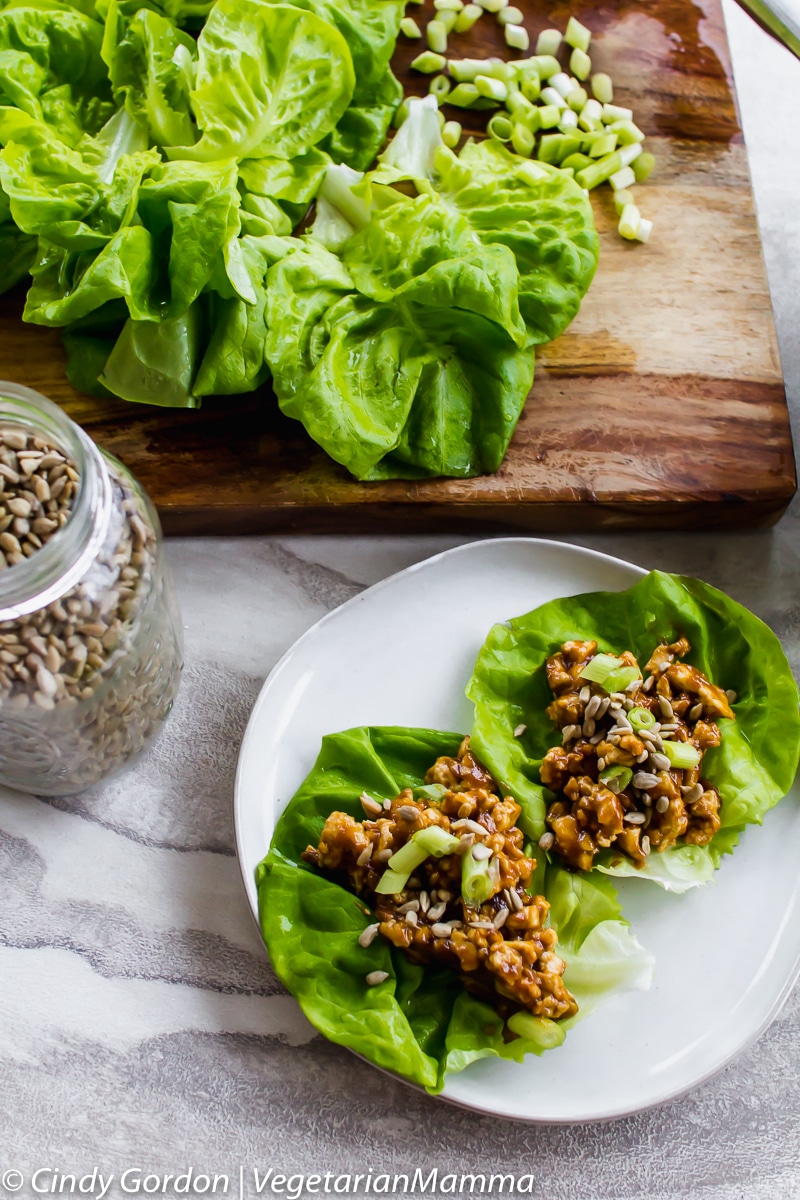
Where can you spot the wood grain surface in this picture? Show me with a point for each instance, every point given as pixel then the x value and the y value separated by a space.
pixel 662 405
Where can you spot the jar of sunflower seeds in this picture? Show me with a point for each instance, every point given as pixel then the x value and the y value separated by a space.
pixel 90 640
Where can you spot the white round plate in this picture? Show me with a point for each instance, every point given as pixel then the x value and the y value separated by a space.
pixel 401 654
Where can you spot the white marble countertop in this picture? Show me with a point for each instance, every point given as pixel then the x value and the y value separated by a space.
pixel 140 1024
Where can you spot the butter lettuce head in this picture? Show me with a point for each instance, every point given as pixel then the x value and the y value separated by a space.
pixel 420 1023
pixel 752 769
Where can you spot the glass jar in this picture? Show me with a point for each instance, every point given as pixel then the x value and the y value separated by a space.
pixel 90 635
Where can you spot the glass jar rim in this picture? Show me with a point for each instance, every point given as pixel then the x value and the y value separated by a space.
pixel 49 573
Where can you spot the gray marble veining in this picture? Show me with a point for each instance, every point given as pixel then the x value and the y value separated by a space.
pixel 140 1023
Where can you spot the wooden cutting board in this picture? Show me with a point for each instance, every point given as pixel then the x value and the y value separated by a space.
pixel 662 405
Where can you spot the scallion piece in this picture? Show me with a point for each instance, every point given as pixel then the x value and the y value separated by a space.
pixel 644 230
pixel 549 43
pixel 643 166
pixel 682 755
pixel 629 223
pixel 622 179
pixel 546 65
pixel 496 68
pixel 479 879
pixel 423 844
pixel 517 37
pixel 510 16
pixel 577 99
pixel 599 172
pixel 525 1025
pixel 451 5
pixel 600 667
pixel 577 35
pixel 580 64
pixel 493 6
pixel 522 139
pixel 603 88
pixel 603 145
pixel 569 121
pixel 562 83
pixel 493 89
pixel 627 133
pixel 431 791
pixel 392 882
pixel 554 147
pixel 576 162
pixel 616 779
pixel 551 96
pixel 613 112
pixel 451 134
pixel 439 86
pixel 500 128
pixel 641 718
pixel 464 70
pixel 630 154
pixel 436 35
pixel 621 199
pixel 447 17
pixel 549 116
pixel 463 95
pixel 410 28
pixel 622 678
pixel 469 14
pixel 428 62
pixel 531 87
pixel 518 105
pixel 435 841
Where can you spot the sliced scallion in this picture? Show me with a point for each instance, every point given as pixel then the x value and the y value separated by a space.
pixel 428 62
pixel 447 17
pixel 522 139
pixel 603 88
pixel 613 112
pixel 621 199
pixel 423 844
pixel 600 667
pixel 451 134
pixel 392 882
pixel 500 128
pixel 493 89
pixel 551 96
pixel 621 679
pixel 576 162
pixel 463 95
pixel 549 42
pixel 562 83
pixel 580 64
pixel 627 133
pixel 643 166
pixel 577 35
pixel 410 28
pixel 525 1025
pixel 629 226
pixel 577 99
pixel 452 5
pixel 641 718
pixel 644 230
pixel 569 121
pixel 603 145
pixel 616 778
pixel 630 153
pixel 555 147
pixel 479 879
pixel 464 70
pixel 517 37
pixel 493 6
pixel 531 87
pixel 622 179
pixel 518 105
pixel 682 755
pixel 549 116
pixel 436 34
pixel 546 65
pixel 439 86
pixel 599 171
pixel 469 14
pixel 510 16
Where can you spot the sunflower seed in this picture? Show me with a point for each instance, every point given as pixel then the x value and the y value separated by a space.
pixel 648 683
pixel 591 708
pixel 645 844
pixel 666 707
pixel 368 935
pixel 546 840
pixel 693 794
pixel 371 807
pixel 408 812
pixel 437 911
pixel 376 977
pixel 695 712
pixel 659 762
pixel 481 852
pixel 500 918
pixel 520 729
pixel 732 696
pixel 662 804
pixel 441 931
pixel 364 856
pixel 584 695
pixel 634 818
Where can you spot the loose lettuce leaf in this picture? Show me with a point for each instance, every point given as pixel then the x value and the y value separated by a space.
pixel 420 1023
pixel 155 362
pixel 428 381
pixel 752 769
pixel 272 79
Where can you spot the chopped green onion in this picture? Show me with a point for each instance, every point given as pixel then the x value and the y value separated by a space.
pixel 551 96
pixel 613 112
pixel 531 87
pixel 464 70
pixel 496 68
pixel 451 134
pixel 580 64
pixel 447 17
pixel 510 16
pixel 531 173
pixel 493 89
pixel 576 162
pixel 434 840
pixel 545 64
pixel 599 172
pixel 641 718
pixel 577 35
pixel 644 230
pixel 643 166
pixel 517 37
pixel 410 28
pixel 577 99
pixel 600 667
pixel 463 95
pixel 518 105
pixel 430 791
pixel 469 14
pixel 621 679
pixel 603 88
pixel 616 779
pixel 629 224
pixel 562 83
pixel 626 132
pixel 603 145
pixel 569 121
pixel 682 755
pixel 548 42
pixel 621 199
pixel 492 6
pixel 436 34
pixel 500 128
pixel 451 5
pixel 629 154
pixel 400 114
pixel 480 879
pixel 549 116
pixel 428 62
pixel 392 882
pixel 622 179
pixel 536 1029
pixel 554 147
pixel 439 86
pixel 522 140
pixel 592 111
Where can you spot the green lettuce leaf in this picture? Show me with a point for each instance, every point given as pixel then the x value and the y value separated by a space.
pixel 155 362
pixel 420 1023
pixel 752 769
pixel 427 380
pixel 362 129
pixel 17 253
pixel 272 79
pixel 88 343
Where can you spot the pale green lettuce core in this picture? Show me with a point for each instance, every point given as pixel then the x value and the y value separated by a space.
pixel 752 769
pixel 420 1023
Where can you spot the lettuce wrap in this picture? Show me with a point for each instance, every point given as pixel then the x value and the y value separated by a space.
pixel 752 769
pixel 419 1023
